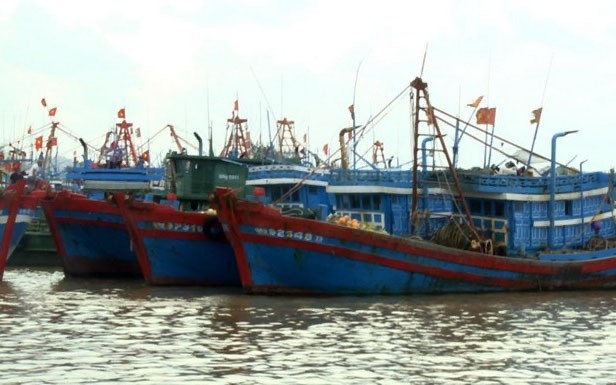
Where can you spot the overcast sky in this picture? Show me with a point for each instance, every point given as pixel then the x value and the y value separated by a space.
pixel 298 59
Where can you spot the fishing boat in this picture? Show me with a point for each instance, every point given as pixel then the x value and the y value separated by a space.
pixel 90 236
pixel 546 232
pixel 83 223
pixel 16 207
pixel 37 247
pixel 179 241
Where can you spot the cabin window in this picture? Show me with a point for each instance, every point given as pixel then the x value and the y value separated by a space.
pixel 358 202
pixel 475 206
pixel 488 209
pixel 345 202
pixel 294 197
pixel 181 167
pixel 365 202
pixel 499 209
pixel 274 193
pixel 569 207
pixel 277 192
pixel 376 202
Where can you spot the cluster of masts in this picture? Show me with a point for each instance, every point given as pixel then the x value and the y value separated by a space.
pixel 119 150
pixel 285 145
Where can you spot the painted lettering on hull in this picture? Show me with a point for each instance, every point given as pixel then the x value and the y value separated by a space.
pixel 298 235
pixel 171 226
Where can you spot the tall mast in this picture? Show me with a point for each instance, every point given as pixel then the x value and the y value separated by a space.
pixel 238 142
pixel 415 113
pixel 422 93
pixel 124 130
pixel 288 146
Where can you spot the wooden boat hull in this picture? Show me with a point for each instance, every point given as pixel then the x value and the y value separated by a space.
pixel 37 247
pixel 16 210
pixel 90 237
pixel 174 249
pixel 286 255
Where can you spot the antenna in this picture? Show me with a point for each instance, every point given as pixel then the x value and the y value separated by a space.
pixel 209 121
pixel 353 115
pixel 269 107
pixel 485 146
pixel 423 62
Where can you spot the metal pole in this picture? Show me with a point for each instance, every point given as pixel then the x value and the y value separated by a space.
pixel 582 200
pixel 424 157
pixel 424 169
pixel 553 185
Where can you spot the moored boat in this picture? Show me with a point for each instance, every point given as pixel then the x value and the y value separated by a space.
pixel 89 232
pixel 90 236
pixel 279 254
pixel 548 232
pixel 185 245
pixel 16 208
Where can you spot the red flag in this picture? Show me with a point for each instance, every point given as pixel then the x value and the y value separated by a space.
pixel 38 142
pixel 536 115
pixel 53 141
pixel 44 102
pixel 236 105
pixel 352 111
pixel 146 156
pixel 476 103
pixel 486 116
pixel 122 113
pixel 326 149
pixel 52 111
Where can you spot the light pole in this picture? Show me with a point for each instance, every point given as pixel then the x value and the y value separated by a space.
pixel 424 169
pixel 582 199
pixel 553 185
pixel 424 155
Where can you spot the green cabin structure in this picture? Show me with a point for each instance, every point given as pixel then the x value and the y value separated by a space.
pixel 192 178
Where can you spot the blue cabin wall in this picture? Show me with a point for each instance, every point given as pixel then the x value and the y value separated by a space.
pixel 522 226
pixel 317 196
pixel 309 185
pixel 399 219
pixel 393 211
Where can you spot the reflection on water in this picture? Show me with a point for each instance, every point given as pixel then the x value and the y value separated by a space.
pixel 82 331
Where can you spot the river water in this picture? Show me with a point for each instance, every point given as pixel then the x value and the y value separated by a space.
pixel 56 330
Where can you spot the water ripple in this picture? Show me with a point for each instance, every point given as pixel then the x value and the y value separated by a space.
pixel 71 331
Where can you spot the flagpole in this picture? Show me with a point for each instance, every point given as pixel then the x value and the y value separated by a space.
pixel 537 118
pixel 491 144
pixel 456 142
pixel 532 146
pixel 457 130
pixel 485 144
pixel 353 117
